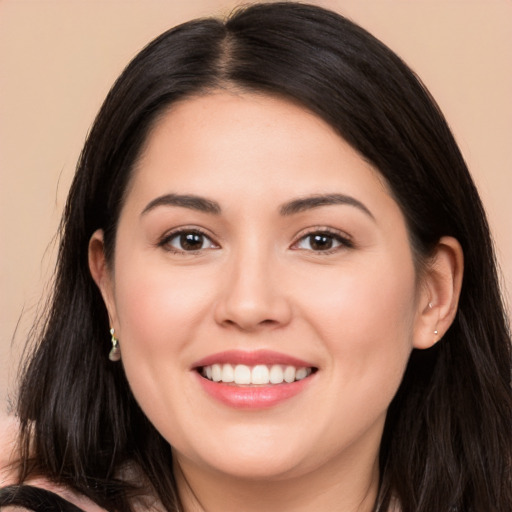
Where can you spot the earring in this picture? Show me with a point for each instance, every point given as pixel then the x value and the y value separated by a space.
pixel 115 352
pixel 435 332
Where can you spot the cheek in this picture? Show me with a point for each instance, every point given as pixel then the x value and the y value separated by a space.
pixel 159 308
pixel 363 297
pixel 365 318
pixel 159 311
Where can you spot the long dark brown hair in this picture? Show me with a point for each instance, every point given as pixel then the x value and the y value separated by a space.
pixel 447 443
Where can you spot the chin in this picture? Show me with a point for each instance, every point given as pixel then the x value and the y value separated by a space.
pixel 269 459
pixel 260 468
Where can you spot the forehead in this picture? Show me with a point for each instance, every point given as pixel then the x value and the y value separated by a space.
pixel 251 154
pixel 250 145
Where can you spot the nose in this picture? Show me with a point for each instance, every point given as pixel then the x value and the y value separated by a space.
pixel 252 296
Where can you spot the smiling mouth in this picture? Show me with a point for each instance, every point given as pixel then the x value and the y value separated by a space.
pixel 257 375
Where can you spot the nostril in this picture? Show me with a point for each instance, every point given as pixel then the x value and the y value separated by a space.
pixel 249 326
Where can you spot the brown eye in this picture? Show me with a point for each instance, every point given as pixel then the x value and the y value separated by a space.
pixel 322 241
pixel 189 241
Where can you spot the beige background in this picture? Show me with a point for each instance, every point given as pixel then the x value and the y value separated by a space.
pixel 58 59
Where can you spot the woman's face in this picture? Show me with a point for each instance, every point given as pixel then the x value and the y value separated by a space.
pixel 255 244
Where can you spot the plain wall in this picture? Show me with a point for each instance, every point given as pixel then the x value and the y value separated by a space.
pixel 58 59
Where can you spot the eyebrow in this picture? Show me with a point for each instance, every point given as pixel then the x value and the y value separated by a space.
pixel 295 206
pixel 192 202
pixel 316 201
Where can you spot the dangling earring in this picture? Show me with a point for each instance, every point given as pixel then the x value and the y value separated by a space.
pixel 115 352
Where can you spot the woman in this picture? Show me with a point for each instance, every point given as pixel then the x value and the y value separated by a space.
pixel 276 289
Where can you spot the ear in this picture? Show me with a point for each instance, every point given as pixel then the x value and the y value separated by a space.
pixel 439 295
pixel 102 274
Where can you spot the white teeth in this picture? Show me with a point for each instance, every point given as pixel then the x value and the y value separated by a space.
pixel 301 373
pixel 216 373
pixel 242 374
pixel 261 374
pixel 228 374
pixel 276 374
pixel 290 374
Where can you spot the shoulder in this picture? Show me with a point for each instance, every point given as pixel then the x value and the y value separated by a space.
pixel 26 497
pixel 8 476
pixel 8 433
pixel 8 472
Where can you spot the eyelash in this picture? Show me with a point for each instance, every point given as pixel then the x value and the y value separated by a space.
pixel 343 241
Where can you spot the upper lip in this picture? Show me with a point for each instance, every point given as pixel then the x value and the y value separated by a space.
pixel 251 358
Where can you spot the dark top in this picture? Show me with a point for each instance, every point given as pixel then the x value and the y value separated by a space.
pixel 36 499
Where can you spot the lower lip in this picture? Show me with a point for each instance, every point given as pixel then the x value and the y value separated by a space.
pixel 253 397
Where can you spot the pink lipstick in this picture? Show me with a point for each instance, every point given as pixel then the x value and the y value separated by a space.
pixel 256 379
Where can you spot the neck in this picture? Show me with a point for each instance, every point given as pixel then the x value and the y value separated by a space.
pixel 347 487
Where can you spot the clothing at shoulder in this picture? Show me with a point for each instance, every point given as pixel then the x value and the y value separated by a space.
pixel 35 498
pixel 38 494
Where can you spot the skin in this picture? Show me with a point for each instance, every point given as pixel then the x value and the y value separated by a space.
pixel 354 312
